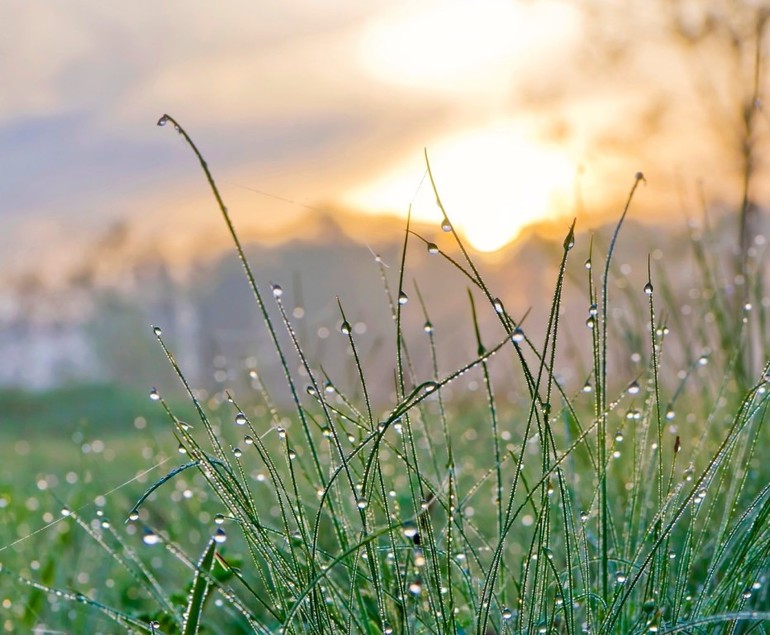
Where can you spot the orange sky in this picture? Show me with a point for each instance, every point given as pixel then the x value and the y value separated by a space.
pixel 520 104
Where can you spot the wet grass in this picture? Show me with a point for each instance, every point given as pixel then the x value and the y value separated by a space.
pixel 527 506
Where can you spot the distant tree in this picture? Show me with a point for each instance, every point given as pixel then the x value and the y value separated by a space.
pixel 724 46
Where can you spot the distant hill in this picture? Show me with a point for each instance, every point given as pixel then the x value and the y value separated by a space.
pixel 97 327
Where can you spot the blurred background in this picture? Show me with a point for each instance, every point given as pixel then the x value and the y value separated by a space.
pixel 313 118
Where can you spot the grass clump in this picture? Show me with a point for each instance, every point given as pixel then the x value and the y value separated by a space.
pixel 628 508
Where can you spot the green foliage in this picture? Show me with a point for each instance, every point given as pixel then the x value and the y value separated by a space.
pixel 629 505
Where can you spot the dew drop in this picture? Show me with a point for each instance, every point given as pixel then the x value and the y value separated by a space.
pixel 428 327
pixel 402 298
pixel 430 386
pixel 277 290
pixel 157 330
pixel 387 629
pixel 588 264
pixel 587 387
pixel 237 453
pixel 361 503
pixel 446 226
pixel 150 537
pixel 498 304
pixel 620 578
pixel 219 519
pixel 154 394
pixel 633 388
pixel 181 449
pixel 220 535
pixel 240 419
pixel 518 335
pixel 345 328
pixel 163 120
pixel 507 614
pixel 409 529
pixel 415 587
pixel 432 248
pixel 591 322
pixel 133 516
pixel 703 360
pixel 248 440
pixel 648 288
pixel 66 512
pixel 583 516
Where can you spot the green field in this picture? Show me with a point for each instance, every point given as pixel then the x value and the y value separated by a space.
pixel 619 505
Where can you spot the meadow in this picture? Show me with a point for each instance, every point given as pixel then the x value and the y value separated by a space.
pixel 302 504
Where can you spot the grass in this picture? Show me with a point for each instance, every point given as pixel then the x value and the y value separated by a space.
pixel 524 507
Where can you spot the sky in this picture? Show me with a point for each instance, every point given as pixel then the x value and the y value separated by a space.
pixel 528 111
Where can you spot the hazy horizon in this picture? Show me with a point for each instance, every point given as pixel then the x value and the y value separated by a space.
pixel 529 111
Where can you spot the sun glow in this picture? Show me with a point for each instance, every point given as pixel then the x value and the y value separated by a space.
pixel 492 182
pixel 462 47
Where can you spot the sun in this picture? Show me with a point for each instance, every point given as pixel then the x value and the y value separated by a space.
pixel 493 182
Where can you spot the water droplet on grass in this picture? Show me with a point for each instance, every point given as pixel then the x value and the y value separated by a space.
pixel 157 330
pixel 415 587
pixel 237 453
pixel 163 120
pixel 154 394
pixel 402 298
pixel 220 535
pixel 277 290
pixel 150 537
pixel 506 614
pixel 428 327
pixel 518 335
pixel 633 388
pixel 648 288
pixel 240 419
pixel 409 529
pixel 345 328
pixel 361 503
pixel 432 248
pixel 446 226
